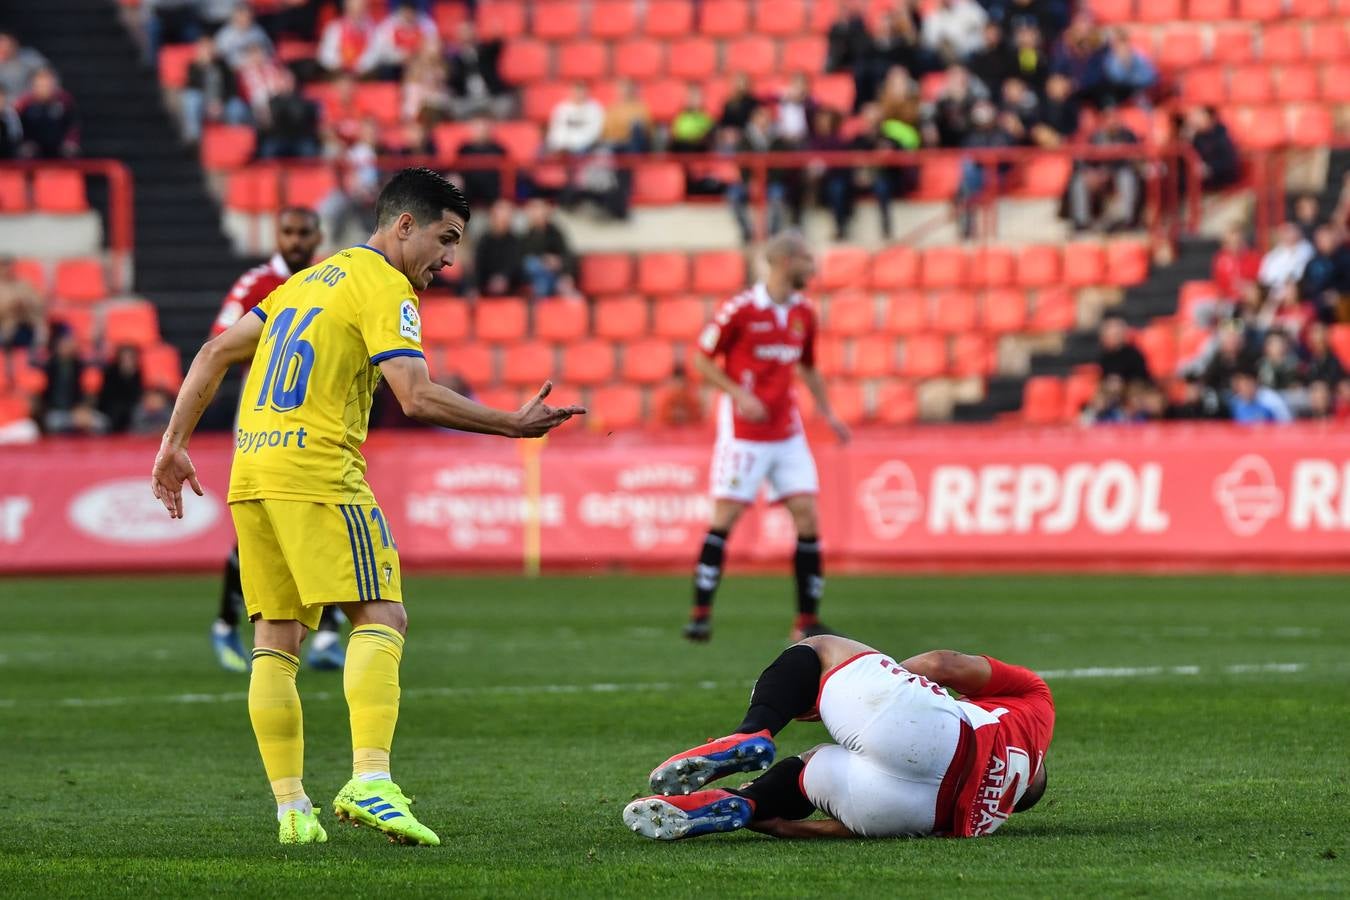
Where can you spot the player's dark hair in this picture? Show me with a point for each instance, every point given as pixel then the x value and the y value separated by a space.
pixel 423 194
pixel 1034 792
pixel 300 211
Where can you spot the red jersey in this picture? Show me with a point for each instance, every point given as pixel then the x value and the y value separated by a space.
pixel 1013 720
pixel 762 341
pixel 251 289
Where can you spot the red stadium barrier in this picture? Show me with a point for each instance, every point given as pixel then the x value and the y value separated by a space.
pixel 972 497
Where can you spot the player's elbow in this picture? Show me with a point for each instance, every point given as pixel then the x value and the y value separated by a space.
pixel 414 404
pixel 936 665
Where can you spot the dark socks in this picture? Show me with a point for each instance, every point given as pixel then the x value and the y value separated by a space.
pixel 329 620
pixel 784 691
pixel 709 572
pixel 810 582
pixel 231 591
pixel 777 794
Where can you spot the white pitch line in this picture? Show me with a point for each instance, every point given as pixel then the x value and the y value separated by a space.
pixel 638 687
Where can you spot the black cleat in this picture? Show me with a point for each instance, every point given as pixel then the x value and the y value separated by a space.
pixel 698 630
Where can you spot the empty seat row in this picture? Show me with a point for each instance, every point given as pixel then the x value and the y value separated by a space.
pixel 666 96
pixel 1176 47
pixel 1168 11
pixel 46 190
pixel 563 20
pixel 996 312
pixel 79 280
pixel 644 59
pixel 1258 84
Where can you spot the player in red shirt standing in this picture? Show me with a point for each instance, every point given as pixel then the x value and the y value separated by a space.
pixel 764 335
pixel 298 235
pixel 909 758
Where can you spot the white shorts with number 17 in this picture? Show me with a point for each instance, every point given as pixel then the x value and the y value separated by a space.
pixel 739 467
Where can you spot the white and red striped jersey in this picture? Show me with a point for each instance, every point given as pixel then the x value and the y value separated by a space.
pixel 251 289
pixel 762 342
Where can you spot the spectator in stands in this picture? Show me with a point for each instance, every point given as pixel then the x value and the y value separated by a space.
pixel 1307 214
pixel 240 35
pixel 165 21
pixel 1020 102
pixel 599 181
pixel 1030 61
pixel 152 414
pixel 23 314
pixel 900 109
pixel 1117 356
pixel 292 18
pixel 474 77
pixel 261 78
pixel 498 255
pixel 47 113
pixel 1219 164
pixel 833 181
pixel 1278 367
pixel 546 257
pixel 1326 277
pixel 1320 362
pixel 783 190
pixel 796 111
pixel 1285 311
pixel 11 128
pixel 290 126
pixel 1318 403
pixel 1340 216
pixel 987 133
pixel 740 103
pixel 1235 265
pixel 691 129
pixel 210 94
pixel 425 94
pixel 849 43
pixel 1077 55
pixel 345 44
pixel 576 123
pixel 403 36
pixel 65 408
pixel 949 118
pixel 1251 403
pixel 482 185
pixel 18 65
pixel 1107 406
pixel 358 183
pixel 884 182
pixel 678 405
pixel 121 391
pixel 954 29
pixel 1230 353
pixel 628 121
pixel 994 61
pixel 1106 194
pixel 1058 115
pixel 415 140
pixel 1285 262
pixel 1125 72
pixel 898 44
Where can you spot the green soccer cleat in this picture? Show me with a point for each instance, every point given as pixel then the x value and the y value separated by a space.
pixel 301 828
pixel 380 804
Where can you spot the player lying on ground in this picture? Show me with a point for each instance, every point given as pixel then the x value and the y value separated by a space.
pixel 909 759
pixel 310 533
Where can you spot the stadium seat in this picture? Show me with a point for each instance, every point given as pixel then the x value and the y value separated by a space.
pixel 1158 343
pixel 679 318
pixel 954 312
pixel 834 92
pixel 1260 128
pixel 174 62
pixel 80 320
pixel 1045 175
pixel 1232 44
pixel 938 180
pixel 613 19
pixel 557 20
pixel 896 403
pixel 528 363
pixel 1312 127
pixel 664 98
pixel 500 19
pixel 615 406
pixel 1209 10
pixel 524 61
pixel 1339 338
pixel 894 268
pixel 1297 84
pixel 25 377
pixel 719 272
pixel 13 191
pixel 1328 41
pixel 1260 10
pixel 640 59
pixel 907 313
pixel 1055 311
pixel 831 355
pixel 537 100
pixel 693 59
pixel 1126 262
pixel 444 321
pixel 804 54
pixel 34 272
pixel 1043 400
pixel 944 267
pixel 1250 84
pixel 161 367
pixel 1193 295
pixel 1283 44
pixel 843 267
pixel 80 280
pixel 669 18
pixel 91 380
pixel 992 266
pixel 873 356
pixel 448 18
pixel 130 322
pixel 1336 82
pixel 500 319
pixel 620 318
pixel 588 363
pixel 724 18
pixel 663 273
pixel 521 140
pixel 1313 9
pixel 306 185
pixel 1004 311
pixel 502 397
pixel 973 355
pixel 780 18
pixel 561 319
pixel 851 313
pixel 227 147
pixel 1156 12
pixel 848 400
pixel 658 184
pixel 753 55
pixel 606 273
pixel 474 362
pixel 1205 85
pixel 1112 11
pixel 254 190
pixel 1038 266
pixel 1079 388
pixel 379 100
pixel 1180 49
pixel 924 356
pixel 648 361
pixel 1084 264
pixel 59 191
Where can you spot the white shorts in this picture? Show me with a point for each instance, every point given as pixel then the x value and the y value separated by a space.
pixel 739 467
pixel 897 735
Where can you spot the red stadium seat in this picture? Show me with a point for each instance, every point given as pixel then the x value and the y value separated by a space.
pixel 13 191
pixel 1045 175
pixel 557 20
pixel 307 185
pixel 588 363
pixel 894 268
pixel 161 367
pixel 848 400
pixel 874 356
pixel 804 54
pixel 1339 338
pixel 500 19
pixel 521 140
pixel 831 355
pixel 954 312
pixel 693 59
pixel 834 92
pixel 648 361
pixel 475 363
pixel 26 377
pixel 851 313
pixel 1283 44
pixel 663 273
pixel 35 273
pixel 1055 311
pixel 620 318
pixel 529 363
pixel 1084 264
pixel 254 190
pixel 1260 10
pixel 615 406
pixel 1313 127
pixel 606 273
pixel 524 61
pixel 59 191
pixel 1158 343
pixel 896 403
pixel 992 266
pixel 500 320
pixel 1261 128
pixel 658 184
pixel 1328 41
pixel 1126 262
pixel 1232 44
pixel 664 98
pixel 444 321
pixel 174 62
pixel 561 319
pixel 1250 85
pixel 1312 9
pixel 907 313
pixel 1297 84
pixel 944 267
pixel 724 18
pixel 753 55
pixel 938 180
pixel 80 280
pixel 843 267
pixel 925 356
pixel 679 318
pixel 613 19
pixel 1180 49
pixel 641 59
pixel 448 17
pixel 79 319
pixel 1004 311
pixel 1112 11
pixel 1043 400
pixel 1158 11
pixel 538 100
pixel 781 18
pixel 130 322
pixel 227 147
pixel 1205 85
pixel 1079 388
pixel 973 355
pixel 1209 10
pixel 1038 266
pixel 502 397
pixel 669 18
pixel 1336 83
pixel 379 100
pixel 719 272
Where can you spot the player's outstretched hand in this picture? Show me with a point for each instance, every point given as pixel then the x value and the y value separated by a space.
pixel 172 468
pixel 537 418
pixel 751 407
pixel 841 430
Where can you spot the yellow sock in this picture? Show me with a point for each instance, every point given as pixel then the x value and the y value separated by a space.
pixel 370 680
pixel 274 708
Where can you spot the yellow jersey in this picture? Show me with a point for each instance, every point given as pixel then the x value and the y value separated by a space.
pixel 305 407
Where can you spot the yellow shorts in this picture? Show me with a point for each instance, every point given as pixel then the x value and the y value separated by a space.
pixel 296 557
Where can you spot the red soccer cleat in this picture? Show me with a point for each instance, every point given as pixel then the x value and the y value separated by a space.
pixel 690 770
pixel 672 818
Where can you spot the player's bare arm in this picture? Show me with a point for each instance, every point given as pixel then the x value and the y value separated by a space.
pixel 801 828
pixel 961 672
pixel 747 404
pixel 426 401
pixel 172 465
pixel 815 383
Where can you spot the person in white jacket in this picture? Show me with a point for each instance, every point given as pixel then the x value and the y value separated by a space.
pixel 955 29
pixel 576 123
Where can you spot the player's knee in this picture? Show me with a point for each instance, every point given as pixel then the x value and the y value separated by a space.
pixel 389 613
pixel 726 515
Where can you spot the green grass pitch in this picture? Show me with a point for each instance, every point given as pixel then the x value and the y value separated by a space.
pixel 1200 750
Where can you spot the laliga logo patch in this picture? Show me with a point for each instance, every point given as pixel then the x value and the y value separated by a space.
pixel 890 499
pixel 409 325
pixel 1248 496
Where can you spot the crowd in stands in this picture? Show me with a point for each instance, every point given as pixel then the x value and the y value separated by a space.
pixel 37 117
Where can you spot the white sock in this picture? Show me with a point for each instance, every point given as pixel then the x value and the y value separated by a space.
pixel 302 805
pixel 324 639
pixel 220 629
pixel 372 776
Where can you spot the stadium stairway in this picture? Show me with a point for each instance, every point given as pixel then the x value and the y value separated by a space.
pixel 183 261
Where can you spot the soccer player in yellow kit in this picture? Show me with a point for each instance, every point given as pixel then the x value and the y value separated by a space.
pixel 310 531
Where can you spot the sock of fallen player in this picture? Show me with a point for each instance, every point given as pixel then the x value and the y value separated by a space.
pixel 777 794
pixel 784 691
